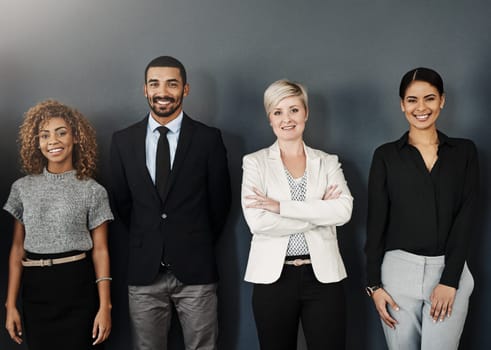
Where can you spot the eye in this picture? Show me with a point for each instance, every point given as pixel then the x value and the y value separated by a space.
pixel 277 113
pixel 61 133
pixel 294 110
pixel 153 85
pixel 431 98
pixel 411 100
pixel 44 136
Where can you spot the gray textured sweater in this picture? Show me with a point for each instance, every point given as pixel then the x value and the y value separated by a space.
pixel 58 211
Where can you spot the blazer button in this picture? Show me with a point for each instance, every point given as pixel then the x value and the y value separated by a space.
pixel 164 216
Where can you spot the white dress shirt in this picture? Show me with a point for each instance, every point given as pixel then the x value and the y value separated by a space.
pixel 152 139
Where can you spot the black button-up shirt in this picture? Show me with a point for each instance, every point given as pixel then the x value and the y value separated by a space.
pixel 418 211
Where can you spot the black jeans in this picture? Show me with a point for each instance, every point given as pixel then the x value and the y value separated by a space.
pixel 299 296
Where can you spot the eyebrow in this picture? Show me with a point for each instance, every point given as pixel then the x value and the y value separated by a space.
pixel 157 80
pixel 430 95
pixel 58 128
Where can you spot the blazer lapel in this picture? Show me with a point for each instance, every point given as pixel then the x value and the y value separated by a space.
pixel 313 167
pixel 185 137
pixel 278 172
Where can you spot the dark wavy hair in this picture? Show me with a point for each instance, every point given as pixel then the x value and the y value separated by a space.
pixel 84 151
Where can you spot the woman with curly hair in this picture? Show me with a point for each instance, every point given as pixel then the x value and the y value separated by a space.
pixel 59 248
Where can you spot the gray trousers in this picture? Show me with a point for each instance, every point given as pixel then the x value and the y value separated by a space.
pixel 151 310
pixel 410 280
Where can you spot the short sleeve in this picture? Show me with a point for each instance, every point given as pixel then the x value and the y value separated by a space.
pixel 99 209
pixel 14 204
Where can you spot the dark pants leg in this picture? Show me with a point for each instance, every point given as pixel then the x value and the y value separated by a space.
pixel 278 308
pixel 323 315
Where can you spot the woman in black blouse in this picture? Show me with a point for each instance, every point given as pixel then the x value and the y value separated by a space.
pixel 422 196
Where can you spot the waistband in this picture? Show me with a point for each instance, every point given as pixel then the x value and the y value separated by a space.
pixel 26 262
pixel 415 258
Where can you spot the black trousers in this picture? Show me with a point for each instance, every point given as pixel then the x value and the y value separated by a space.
pixel 299 296
pixel 59 304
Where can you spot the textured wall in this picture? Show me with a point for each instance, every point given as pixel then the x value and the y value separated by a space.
pixel 350 54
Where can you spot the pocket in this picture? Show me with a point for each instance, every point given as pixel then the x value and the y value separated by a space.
pixel 466 282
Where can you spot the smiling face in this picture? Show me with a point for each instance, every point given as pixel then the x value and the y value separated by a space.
pixel 56 144
pixel 288 119
pixel 422 104
pixel 165 90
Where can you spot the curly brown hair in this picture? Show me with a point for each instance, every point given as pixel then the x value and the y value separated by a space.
pixel 84 150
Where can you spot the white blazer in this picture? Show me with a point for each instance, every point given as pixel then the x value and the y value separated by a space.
pixel 315 217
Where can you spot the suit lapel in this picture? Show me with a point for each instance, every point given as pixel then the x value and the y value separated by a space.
pixel 185 137
pixel 313 166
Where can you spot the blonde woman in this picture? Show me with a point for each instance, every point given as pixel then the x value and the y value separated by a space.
pixel 293 197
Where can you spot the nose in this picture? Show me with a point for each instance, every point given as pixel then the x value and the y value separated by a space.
pixel 421 105
pixel 53 138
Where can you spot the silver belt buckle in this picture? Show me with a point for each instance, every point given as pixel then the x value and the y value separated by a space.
pixel 298 262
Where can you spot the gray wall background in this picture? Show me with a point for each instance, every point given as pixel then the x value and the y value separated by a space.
pixel 351 55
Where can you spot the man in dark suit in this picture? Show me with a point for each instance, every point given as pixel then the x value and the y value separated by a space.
pixel 171 190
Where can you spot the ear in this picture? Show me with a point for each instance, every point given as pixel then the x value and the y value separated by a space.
pixel 145 90
pixel 186 89
pixel 402 106
pixel 442 103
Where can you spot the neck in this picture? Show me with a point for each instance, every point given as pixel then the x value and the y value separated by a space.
pixel 423 137
pixel 165 120
pixel 58 169
pixel 291 148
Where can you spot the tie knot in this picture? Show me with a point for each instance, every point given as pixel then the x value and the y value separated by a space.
pixel 163 130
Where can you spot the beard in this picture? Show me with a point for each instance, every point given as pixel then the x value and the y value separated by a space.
pixel 167 110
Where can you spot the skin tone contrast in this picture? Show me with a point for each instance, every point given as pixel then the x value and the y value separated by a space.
pixel 421 105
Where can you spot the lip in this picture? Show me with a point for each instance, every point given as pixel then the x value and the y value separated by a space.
pixel 55 150
pixel 288 127
pixel 422 117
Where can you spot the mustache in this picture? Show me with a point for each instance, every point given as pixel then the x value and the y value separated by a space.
pixel 164 98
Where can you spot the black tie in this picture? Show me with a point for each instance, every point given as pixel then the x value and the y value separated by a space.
pixel 162 161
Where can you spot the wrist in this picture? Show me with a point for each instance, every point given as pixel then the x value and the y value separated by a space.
pixel 105 306
pixel 9 306
pixel 372 289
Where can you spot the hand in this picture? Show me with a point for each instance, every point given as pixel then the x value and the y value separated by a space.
pixel 331 193
pixel 13 324
pixel 381 298
pixel 102 325
pixel 442 299
pixel 260 201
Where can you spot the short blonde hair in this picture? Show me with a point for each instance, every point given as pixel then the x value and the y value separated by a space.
pixel 282 89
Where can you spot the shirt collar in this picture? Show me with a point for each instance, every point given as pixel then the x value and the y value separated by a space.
pixel 442 139
pixel 174 126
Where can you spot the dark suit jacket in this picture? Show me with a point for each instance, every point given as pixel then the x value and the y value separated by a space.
pixel 186 222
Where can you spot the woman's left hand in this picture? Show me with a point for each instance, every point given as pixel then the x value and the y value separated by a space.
pixel 260 201
pixel 442 300
pixel 102 325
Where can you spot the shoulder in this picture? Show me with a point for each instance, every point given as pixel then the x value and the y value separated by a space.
pixel 462 143
pixel 27 181
pixel 201 127
pixel 256 156
pixel 91 184
pixel 130 130
pixel 321 154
